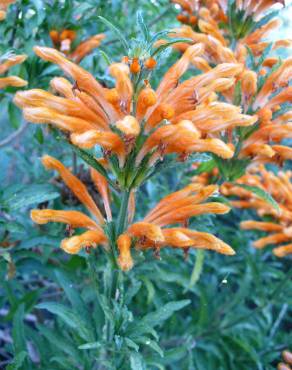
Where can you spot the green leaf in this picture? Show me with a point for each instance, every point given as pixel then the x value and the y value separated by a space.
pixel 198 267
pixel 68 316
pixel 90 159
pixel 137 362
pixel 207 166
pixel 116 31
pixel 150 343
pixel 72 293
pixel 39 135
pixel 162 47
pixel 131 344
pixel 17 361
pixel 92 345
pixel 31 195
pixel 261 194
pixel 105 57
pixel 15 115
pixel 237 94
pixel 143 26
pixel 59 341
pixel 18 331
pixel 163 313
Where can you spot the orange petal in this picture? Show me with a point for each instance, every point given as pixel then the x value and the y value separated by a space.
pixel 90 238
pixel 271 239
pixel 86 47
pixel 108 140
pixel 84 79
pixel 125 260
pixel 74 184
pixel 13 81
pixel 258 225
pixel 129 126
pixel 12 60
pixel 146 229
pixel 50 116
pixel 101 184
pixel 283 251
pixel 195 239
pixel 73 218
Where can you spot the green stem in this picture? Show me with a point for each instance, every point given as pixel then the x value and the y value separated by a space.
pixel 122 217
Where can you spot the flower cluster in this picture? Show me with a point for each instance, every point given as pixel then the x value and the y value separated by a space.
pixel 262 89
pixel 66 42
pixel 149 233
pixel 136 127
pixel 277 222
pixel 225 21
pixel 6 62
pixel 124 119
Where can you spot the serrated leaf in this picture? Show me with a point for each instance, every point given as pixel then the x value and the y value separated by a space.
pixel 116 31
pixel 261 194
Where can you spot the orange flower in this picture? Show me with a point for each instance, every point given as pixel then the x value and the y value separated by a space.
pixel 125 260
pixel 116 119
pixel 75 219
pixel 175 208
pixel 63 41
pixel 6 62
pixel 279 229
pixel 74 184
pixel 74 244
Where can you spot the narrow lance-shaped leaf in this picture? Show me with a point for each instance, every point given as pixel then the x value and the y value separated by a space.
pixel 116 31
pixel 261 194
pixel 143 26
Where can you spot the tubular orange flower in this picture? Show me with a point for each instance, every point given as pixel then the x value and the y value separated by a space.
pixel 102 186
pixel 76 219
pixel 279 228
pixel 174 208
pixel 90 238
pixel 74 184
pixel 72 218
pixel 63 41
pixel 108 140
pixel 115 118
pixel 6 62
pixel 125 260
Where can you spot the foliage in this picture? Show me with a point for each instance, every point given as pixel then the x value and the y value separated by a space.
pixel 198 311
